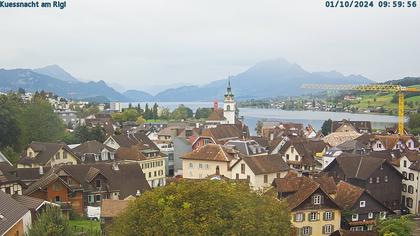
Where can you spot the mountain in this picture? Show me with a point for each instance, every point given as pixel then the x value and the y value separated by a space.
pixel 33 81
pixel 266 79
pixel 136 95
pixel 407 81
pixel 57 72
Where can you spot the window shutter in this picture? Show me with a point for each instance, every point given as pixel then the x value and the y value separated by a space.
pixel 318 216
pixel 309 217
pixel 332 227
pixel 324 216
pixel 294 217
pixel 299 231
pixel 323 229
pixel 332 215
pixel 303 216
pixel 310 230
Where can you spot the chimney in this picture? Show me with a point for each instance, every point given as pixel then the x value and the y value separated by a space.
pixel 41 170
pixel 215 105
pixel 138 193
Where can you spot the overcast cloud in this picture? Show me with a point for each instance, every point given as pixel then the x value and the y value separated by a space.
pixel 139 43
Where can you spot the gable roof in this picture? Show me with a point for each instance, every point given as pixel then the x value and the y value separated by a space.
pixel 224 132
pixel 139 138
pixel 46 152
pixel 357 125
pixel 28 202
pixel 7 173
pixel 347 194
pixel 246 147
pixel 127 179
pixel 90 147
pixel 337 138
pixel 11 212
pixel 216 115
pixel 3 158
pixel 266 164
pixel 212 152
pixel 359 167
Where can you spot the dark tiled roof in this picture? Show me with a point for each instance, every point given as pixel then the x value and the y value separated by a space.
pixel 139 138
pixel 216 115
pixel 7 173
pixel 359 167
pixel 45 151
pixel 212 152
pixel 11 210
pixel 347 194
pixel 266 164
pixel 327 183
pixel 263 141
pixel 30 174
pixel 225 132
pixel 246 147
pixel 358 125
pixel 90 147
pixel 30 203
pixel 127 179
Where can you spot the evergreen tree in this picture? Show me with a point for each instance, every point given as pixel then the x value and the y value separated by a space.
pixel 326 127
pixel 51 223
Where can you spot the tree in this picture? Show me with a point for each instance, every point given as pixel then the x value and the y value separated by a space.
pixel 140 120
pixel 414 123
pixel 207 207
pixel 258 127
pixel 203 113
pixel 182 113
pixel 155 111
pixel 165 114
pixel 50 223
pixel 84 133
pixel 396 226
pixel 326 127
pixel 9 128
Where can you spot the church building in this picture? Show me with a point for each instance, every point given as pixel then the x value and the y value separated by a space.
pixel 227 115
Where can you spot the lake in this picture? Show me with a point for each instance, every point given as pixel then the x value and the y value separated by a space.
pixel 315 118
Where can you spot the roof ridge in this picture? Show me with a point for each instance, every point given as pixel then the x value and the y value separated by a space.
pixel 358 167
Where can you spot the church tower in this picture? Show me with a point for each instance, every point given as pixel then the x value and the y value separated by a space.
pixel 229 106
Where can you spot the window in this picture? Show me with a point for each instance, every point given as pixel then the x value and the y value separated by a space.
pixel 56 186
pixel 8 190
pixel 378 179
pixel 287 156
pixel 265 179
pixel 278 175
pixel 405 163
pixel 98 198
pixel 98 183
pixel 307 230
pixel 299 217
pixel 404 188
pixel 379 145
pixel 155 173
pixel 57 199
pixel 410 189
pixel 354 217
pixel 405 174
pixel 370 180
pixel 296 157
pixel 248 178
pixel 150 174
pixel 237 176
pixel 411 176
pixel 292 149
pixel 328 215
pixel 386 179
pixel 57 156
pixel 207 166
pixel 90 199
pixel 327 229
pixel 370 215
pixel 191 165
pixel 228 107
pixel 200 166
pixel 357 228
pixel 313 216
pixel 409 202
pixel 362 203
pixel 64 155
pixel 316 199
pixel 242 168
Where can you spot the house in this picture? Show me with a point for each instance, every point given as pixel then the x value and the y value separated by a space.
pixel 330 155
pixel 130 139
pixel 181 147
pixel 9 181
pixel 225 132
pixel 47 154
pixel 208 160
pixel 104 121
pixel 78 186
pixel 94 151
pixel 229 112
pixel 15 219
pixel 337 138
pixel 351 126
pixel 273 129
pixel 300 153
pixel 31 175
pixel 376 175
pixel 409 166
pixel 313 210
pixel 365 209
pixel 3 158
pixel 35 205
pixel 150 160
pixel 246 147
pixel 259 171
pixel 394 142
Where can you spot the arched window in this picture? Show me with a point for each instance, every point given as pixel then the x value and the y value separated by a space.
pixel 217 170
pixel 405 174
pixel 411 176
pixel 409 202
pixel 410 189
pixel 228 107
pixel 404 188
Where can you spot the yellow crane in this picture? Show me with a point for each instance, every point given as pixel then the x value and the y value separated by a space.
pixel 392 88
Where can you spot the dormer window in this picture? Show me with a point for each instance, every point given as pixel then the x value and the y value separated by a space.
pixel 98 183
pixel 362 203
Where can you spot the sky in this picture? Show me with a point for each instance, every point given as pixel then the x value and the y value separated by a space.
pixel 153 44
